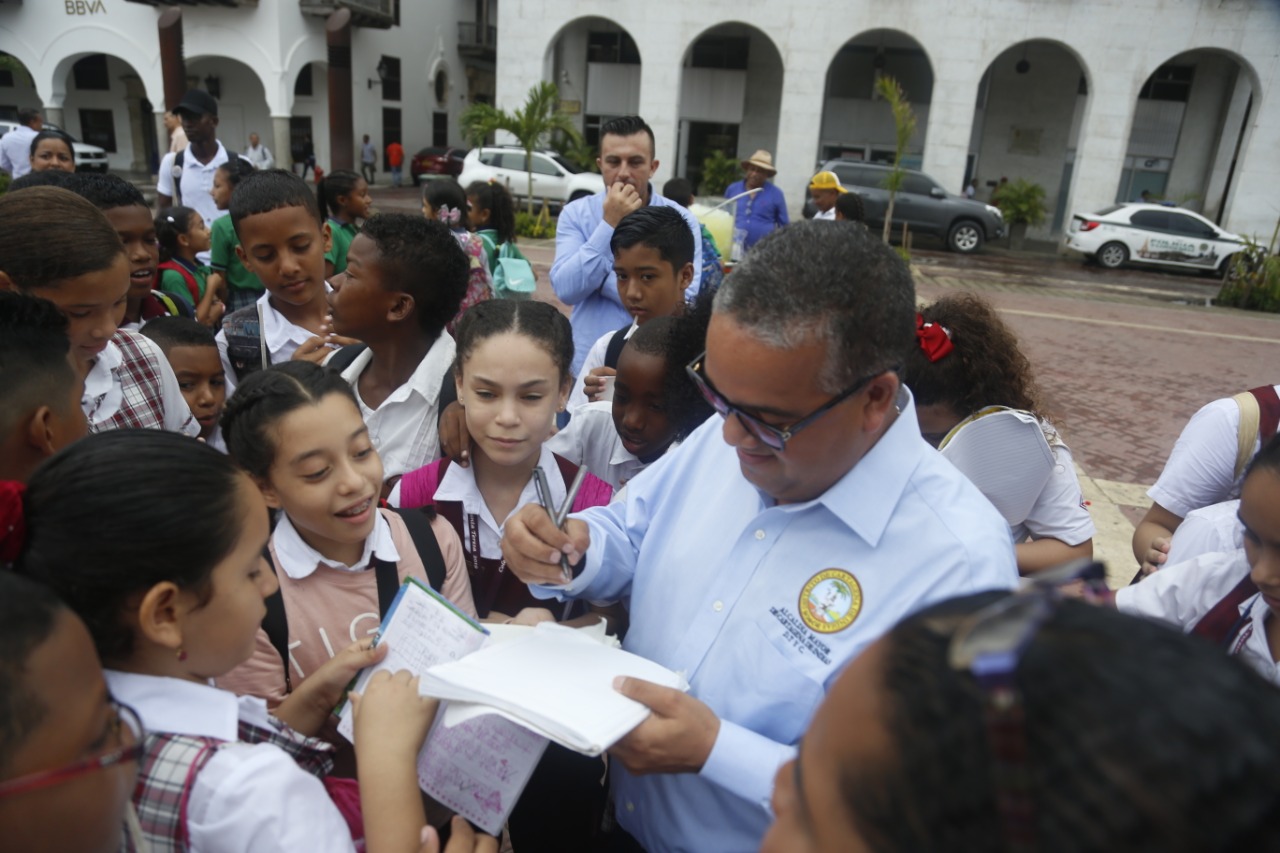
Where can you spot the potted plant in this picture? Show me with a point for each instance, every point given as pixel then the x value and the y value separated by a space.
pixel 718 171
pixel 1022 204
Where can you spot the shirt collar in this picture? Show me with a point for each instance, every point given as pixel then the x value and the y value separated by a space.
pixel 277 329
pixel 177 706
pixel 865 498
pixel 427 378
pixel 459 484
pixel 299 560
pixel 99 379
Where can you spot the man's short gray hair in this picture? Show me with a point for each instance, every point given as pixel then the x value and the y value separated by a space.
pixel 831 282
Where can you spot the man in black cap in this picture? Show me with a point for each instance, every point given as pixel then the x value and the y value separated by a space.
pixel 186 177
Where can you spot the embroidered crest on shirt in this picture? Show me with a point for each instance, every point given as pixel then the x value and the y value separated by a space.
pixel 830 601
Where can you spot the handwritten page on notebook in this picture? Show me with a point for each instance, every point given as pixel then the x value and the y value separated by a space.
pixel 480 768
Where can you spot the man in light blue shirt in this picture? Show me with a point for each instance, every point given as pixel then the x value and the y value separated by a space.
pixel 582 273
pixel 776 543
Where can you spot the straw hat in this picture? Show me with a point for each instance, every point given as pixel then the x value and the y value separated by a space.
pixel 826 181
pixel 762 160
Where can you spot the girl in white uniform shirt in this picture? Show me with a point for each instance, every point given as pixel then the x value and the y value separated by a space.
pixel 1231 598
pixel 173 598
pixel 967 360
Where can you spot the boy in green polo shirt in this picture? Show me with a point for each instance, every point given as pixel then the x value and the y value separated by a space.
pixel 243 287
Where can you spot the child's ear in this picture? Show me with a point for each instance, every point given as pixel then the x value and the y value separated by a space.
pixel 242 255
pixel 328 238
pixel 160 615
pixel 269 494
pixel 401 308
pixel 457 388
pixel 566 385
pixel 40 431
pixel 685 276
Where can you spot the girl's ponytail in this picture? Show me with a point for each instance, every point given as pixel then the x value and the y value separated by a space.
pixel 172 223
pixel 332 187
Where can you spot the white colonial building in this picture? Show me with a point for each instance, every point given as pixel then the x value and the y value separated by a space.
pixel 1096 100
pixel 94 67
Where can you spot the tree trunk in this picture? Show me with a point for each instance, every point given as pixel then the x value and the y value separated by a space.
pixel 888 218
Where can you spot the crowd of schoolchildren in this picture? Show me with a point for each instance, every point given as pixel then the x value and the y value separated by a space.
pixel 214 478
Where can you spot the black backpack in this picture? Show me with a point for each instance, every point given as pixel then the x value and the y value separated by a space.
pixel 276 622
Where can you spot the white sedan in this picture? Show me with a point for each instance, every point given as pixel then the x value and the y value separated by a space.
pixel 554 178
pixel 1152 234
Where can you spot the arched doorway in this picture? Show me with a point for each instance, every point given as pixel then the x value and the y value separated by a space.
pixel 309 115
pixel 105 103
pixel 1026 124
pixel 596 65
pixel 242 101
pixel 1189 127
pixel 730 97
pixel 856 124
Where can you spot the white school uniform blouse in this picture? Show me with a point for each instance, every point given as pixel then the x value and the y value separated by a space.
pixel 299 560
pixel 1202 466
pixel 1212 528
pixel 104 393
pixel 591 440
pixel 1181 595
pixel 403 428
pixel 1059 512
pixel 594 359
pixel 283 339
pixel 248 796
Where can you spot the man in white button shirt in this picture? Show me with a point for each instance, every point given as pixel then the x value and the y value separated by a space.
pixel 186 177
pixel 15 146
pixel 777 541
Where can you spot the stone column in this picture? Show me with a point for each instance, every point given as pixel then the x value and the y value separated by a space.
pixel 337 30
pixel 804 82
pixel 53 115
pixel 950 125
pixel 172 64
pixel 282 142
pixel 659 78
pixel 133 95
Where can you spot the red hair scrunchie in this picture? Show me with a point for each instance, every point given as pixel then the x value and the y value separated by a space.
pixel 934 339
pixel 13 525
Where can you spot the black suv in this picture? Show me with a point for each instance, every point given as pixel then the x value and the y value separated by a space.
pixel 922 204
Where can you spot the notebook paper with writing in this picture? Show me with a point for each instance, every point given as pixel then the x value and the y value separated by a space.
pixel 478 768
pixel 553 680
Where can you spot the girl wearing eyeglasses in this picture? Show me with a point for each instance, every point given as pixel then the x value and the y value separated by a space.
pixel 164 566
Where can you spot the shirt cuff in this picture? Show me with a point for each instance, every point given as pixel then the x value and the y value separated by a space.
pixel 745 763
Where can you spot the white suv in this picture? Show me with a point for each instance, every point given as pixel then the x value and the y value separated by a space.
pixel 554 178
pixel 89 158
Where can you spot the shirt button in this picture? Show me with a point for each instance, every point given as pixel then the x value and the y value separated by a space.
pixel 631 806
pixel 759 534
pixel 718 606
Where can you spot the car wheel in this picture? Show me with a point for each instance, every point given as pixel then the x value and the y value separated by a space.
pixel 965 237
pixel 1113 255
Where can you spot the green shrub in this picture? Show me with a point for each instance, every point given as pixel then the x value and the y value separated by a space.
pixel 1253 281
pixel 4 183
pixel 718 171
pixel 536 227
pixel 1022 202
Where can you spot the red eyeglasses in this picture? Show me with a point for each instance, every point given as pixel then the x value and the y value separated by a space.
pixel 127 730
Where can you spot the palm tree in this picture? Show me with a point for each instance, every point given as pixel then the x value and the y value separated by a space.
pixel 539 117
pixel 904 124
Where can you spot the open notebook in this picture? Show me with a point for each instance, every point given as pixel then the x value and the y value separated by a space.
pixel 1005 454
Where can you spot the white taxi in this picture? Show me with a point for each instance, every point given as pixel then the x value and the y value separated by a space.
pixel 1154 234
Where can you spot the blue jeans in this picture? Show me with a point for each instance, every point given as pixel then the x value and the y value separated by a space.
pixel 396 172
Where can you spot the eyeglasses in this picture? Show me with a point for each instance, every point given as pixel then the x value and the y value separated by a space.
pixel 126 729
pixel 770 436
pixel 989 644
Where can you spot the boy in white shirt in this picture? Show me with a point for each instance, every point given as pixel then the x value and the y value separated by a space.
pixel 653 259
pixel 282 241
pixel 405 278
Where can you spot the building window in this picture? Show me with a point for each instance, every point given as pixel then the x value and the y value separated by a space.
pixel 302 87
pixel 390 131
pixel 6 74
pixel 440 129
pixel 91 73
pixel 391 83
pixel 720 52
pixel 1169 83
pixel 615 47
pixel 98 127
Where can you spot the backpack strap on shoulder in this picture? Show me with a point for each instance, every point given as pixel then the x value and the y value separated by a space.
pixel 276 623
pixel 1223 622
pixel 614 350
pixel 424 541
pixel 343 358
pixel 1259 419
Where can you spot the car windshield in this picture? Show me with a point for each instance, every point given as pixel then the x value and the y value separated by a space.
pixel 566 165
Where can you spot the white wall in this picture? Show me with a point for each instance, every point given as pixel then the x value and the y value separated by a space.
pixel 1118 43
pixel 763 99
pixel 242 105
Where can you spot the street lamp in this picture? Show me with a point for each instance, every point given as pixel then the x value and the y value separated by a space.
pixel 382 73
